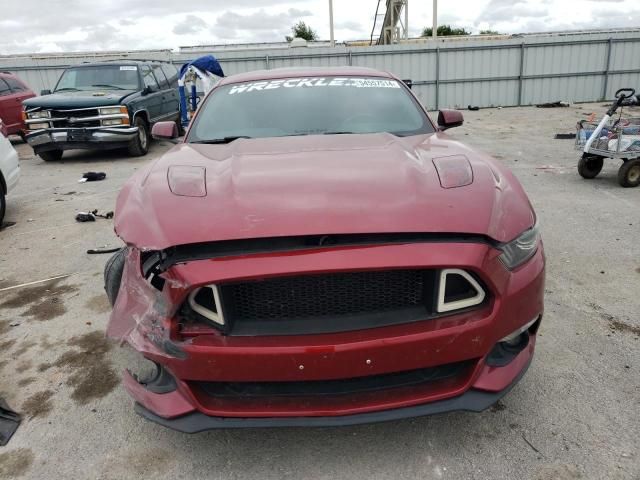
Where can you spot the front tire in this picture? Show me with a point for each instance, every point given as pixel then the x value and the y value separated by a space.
pixel 51 155
pixel 590 166
pixel 629 174
pixel 113 274
pixel 3 205
pixel 140 145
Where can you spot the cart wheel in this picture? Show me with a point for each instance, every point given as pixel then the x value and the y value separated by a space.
pixel 590 166
pixel 629 173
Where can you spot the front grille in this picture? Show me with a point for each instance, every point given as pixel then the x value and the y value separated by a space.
pixel 350 386
pixel 327 302
pixel 65 115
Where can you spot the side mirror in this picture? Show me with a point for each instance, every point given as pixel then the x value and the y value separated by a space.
pixel 147 90
pixel 449 119
pixel 45 92
pixel 165 130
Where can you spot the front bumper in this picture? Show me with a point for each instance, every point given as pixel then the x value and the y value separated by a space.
pixel 517 298
pixel 473 400
pixel 81 138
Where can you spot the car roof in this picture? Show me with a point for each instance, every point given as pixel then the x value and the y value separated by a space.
pixel 117 62
pixel 305 72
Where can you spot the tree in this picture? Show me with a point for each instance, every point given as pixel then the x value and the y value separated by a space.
pixel 445 31
pixel 489 32
pixel 302 30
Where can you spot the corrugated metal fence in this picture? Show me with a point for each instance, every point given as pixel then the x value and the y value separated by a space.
pixel 449 73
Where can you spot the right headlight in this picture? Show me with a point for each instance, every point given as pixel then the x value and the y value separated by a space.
pixel 39 114
pixel 518 251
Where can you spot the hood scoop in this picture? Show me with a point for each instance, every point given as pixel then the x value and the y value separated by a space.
pixel 187 181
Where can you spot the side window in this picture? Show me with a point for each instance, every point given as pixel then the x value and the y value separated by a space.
pixel 162 80
pixel 148 78
pixel 171 72
pixel 15 85
pixel 4 88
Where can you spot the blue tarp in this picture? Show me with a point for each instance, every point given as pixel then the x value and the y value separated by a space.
pixel 208 63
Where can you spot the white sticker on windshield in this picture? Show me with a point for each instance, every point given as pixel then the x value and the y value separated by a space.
pixel 314 82
pixel 128 67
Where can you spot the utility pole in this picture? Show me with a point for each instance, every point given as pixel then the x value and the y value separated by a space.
pixel 434 34
pixel 333 41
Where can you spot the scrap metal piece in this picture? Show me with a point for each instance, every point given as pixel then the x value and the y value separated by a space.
pixel 9 422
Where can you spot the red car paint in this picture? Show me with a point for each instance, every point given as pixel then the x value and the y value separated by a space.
pixel 248 189
pixel 12 93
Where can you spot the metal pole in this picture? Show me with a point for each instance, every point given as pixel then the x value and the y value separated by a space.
pixel 333 41
pixel 434 34
pixel 605 84
pixel 406 20
pixel 437 78
pixel 520 74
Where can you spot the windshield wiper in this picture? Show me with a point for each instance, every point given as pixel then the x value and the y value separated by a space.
pixel 106 85
pixel 339 133
pixel 67 89
pixel 221 140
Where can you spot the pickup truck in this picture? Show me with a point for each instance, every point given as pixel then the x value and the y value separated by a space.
pixel 102 105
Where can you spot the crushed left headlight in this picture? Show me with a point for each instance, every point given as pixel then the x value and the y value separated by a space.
pixel 518 251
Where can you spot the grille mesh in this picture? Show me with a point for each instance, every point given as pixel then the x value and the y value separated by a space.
pixel 65 115
pixel 335 294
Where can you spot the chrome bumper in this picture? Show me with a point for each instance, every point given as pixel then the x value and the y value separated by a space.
pixel 67 138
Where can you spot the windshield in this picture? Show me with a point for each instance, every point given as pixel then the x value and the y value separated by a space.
pixel 107 77
pixel 308 106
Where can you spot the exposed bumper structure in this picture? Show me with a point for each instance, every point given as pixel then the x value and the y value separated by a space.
pixel 212 371
pixel 81 138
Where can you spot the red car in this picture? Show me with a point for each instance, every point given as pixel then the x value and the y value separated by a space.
pixel 317 252
pixel 12 92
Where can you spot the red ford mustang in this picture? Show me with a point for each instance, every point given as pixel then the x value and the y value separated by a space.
pixel 317 252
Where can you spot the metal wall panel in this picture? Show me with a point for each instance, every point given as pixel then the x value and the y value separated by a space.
pixel 450 73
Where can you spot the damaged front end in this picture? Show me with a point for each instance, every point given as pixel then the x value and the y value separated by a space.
pixel 324 330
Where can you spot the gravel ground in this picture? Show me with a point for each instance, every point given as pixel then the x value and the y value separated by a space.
pixel 576 414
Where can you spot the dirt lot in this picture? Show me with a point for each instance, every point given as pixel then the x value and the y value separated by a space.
pixel 576 414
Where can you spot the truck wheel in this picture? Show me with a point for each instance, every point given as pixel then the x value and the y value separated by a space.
pixel 139 146
pixel 590 166
pixel 51 155
pixel 113 274
pixel 629 173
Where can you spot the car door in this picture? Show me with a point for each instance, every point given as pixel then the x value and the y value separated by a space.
pixel 173 97
pixel 169 102
pixel 153 99
pixel 6 105
pixel 19 93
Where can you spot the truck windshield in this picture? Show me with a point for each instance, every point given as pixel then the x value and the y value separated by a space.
pixel 308 106
pixel 102 77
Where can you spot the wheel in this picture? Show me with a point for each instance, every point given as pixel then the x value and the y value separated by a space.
pixel 51 155
pixel 113 274
pixel 3 205
pixel 629 173
pixel 590 166
pixel 140 145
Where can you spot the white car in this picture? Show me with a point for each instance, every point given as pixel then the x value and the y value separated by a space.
pixel 9 169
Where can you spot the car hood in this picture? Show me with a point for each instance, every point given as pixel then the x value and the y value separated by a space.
pixel 71 99
pixel 315 185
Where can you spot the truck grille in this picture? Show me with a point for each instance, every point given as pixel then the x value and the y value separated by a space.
pixel 64 118
pixel 327 302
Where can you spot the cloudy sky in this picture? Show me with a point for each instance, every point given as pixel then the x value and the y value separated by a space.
pixel 87 25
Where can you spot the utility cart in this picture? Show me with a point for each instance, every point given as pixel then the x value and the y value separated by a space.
pixel 616 136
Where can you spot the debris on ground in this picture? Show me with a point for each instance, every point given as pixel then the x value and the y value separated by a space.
pixel 92 215
pixel 9 422
pixel 97 251
pixel 473 108
pixel 564 136
pixel 553 105
pixel 92 177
